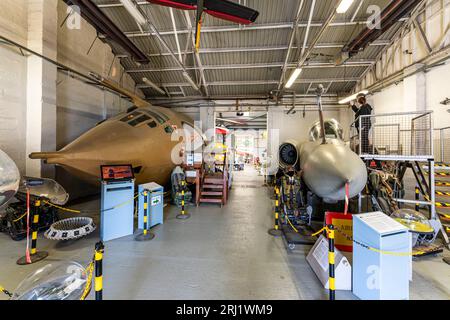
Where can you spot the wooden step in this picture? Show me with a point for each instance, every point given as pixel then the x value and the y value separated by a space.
pixel 211 200
pixel 212 186
pixel 212 193
pixel 213 181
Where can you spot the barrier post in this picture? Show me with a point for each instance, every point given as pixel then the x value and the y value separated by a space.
pixel 331 261
pixel 35 256
pixel 417 198
pixel 183 215
pixel 6 292
pixel 99 251
pixel 276 232
pixel 145 235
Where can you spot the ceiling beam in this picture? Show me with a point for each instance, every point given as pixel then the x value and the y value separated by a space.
pixel 362 63
pixel 231 28
pixel 381 43
pixel 254 83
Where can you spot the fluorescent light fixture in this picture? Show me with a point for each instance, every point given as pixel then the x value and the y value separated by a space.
pixel 344 6
pixel 293 77
pixel 191 82
pixel 154 86
pixel 137 15
pixel 353 97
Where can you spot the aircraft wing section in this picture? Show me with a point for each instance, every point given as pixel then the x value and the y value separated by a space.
pixel 179 4
pixel 231 11
pixel 221 9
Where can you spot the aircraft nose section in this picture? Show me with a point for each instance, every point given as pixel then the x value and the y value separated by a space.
pixel 330 167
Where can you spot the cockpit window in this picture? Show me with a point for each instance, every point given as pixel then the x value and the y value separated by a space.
pixel 156 116
pixel 164 116
pixel 131 116
pixel 139 120
pixel 168 129
pixel 152 124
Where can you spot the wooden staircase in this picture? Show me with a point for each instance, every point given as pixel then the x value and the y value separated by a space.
pixel 213 186
pixel 213 189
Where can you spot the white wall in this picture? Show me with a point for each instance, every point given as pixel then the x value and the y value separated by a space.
pixel 13 79
pixel 437 90
pixel 388 101
pixel 295 126
pixel 437 87
pixel 14 20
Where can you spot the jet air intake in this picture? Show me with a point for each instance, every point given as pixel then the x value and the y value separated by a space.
pixel 288 154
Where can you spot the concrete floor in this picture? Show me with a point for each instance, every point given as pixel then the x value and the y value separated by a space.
pixel 217 254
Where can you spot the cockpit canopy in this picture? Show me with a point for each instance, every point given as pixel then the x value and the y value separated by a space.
pixel 333 130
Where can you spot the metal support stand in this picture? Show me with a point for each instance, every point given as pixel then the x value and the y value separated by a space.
pixel 145 235
pixel 276 232
pixel 35 256
pixel 183 215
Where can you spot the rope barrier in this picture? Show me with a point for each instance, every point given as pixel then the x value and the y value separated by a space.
pixel 90 271
pixel 94 211
pixel 349 238
pixel 391 253
pixel 21 217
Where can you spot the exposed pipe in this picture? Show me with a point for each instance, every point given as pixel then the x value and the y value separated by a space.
pixel 390 15
pixel 291 43
pixel 92 14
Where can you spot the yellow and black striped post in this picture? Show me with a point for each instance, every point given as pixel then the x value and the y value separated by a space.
pixel 99 251
pixel 145 235
pixel 276 232
pixel 6 292
pixel 183 215
pixel 417 198
pixel 35 256
pixel 331 261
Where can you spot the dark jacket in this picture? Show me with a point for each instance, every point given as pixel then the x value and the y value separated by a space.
pixel 365 110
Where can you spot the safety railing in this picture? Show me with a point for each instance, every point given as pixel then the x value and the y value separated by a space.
pixel 393 136
pixel 442 145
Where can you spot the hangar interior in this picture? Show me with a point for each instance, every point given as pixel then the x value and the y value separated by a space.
pixel 210 149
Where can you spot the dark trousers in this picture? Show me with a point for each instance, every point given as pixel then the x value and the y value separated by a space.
pixel 365 148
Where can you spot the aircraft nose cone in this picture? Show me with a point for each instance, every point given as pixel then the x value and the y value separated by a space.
pixel 329 167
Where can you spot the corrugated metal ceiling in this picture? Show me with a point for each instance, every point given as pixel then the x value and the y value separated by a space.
pixel 233 54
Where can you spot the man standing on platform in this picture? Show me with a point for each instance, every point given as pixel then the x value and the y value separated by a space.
pixel 365 124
